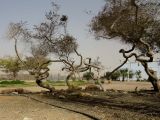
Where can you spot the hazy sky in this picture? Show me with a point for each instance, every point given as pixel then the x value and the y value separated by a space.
pixel 33 12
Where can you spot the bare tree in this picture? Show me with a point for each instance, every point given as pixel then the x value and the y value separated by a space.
pixel 134 22
pixel 49 38
pixel 96 77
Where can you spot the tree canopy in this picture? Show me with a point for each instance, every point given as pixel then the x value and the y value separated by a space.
pixel 131 20
pixel 134 22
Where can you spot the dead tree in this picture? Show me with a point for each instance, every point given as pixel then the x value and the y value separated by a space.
pixel 72 68
pixel 96 65
pixel 46 39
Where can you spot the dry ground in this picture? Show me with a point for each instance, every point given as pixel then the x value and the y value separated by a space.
pixel 21 108
pixel 114 106
pixel 109 105
pixel 128 86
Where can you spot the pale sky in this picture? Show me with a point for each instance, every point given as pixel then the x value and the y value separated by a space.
pixel 33 12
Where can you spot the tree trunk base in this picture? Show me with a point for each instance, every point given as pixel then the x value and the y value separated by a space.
pixel 41 84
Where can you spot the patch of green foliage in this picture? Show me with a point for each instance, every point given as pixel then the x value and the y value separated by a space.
pixel 63 83
pixel 79 82
pixel 12 82
pixel 16 83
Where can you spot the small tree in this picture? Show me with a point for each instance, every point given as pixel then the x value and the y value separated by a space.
pixel 11 65
pixel 115 76
pixel 124 73
pixel 49 38
pixel 135 22
pixel 131 74
pixel 44 39
pixel 138 75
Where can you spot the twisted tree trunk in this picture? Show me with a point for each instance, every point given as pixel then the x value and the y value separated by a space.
pixel 155 83
pixel 152 77
pixel 67 80
pixel 41 84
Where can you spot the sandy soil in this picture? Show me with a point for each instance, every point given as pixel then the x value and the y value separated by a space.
pixel 127 86
pixel 21 108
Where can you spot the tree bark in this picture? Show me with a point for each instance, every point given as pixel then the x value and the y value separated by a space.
pixel 67 80
pixel 41 84
pixel 155 83
pixel 123 78
pixel 14 75
pixel 152 77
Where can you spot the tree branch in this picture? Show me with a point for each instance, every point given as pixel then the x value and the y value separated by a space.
pixel 81 58
pixel 104 37
pixel 126 58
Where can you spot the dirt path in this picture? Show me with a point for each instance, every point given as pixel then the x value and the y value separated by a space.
pixel 21 108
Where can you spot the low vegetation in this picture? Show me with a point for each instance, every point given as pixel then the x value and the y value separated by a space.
pixel 20 83
pixel 15 83
pixel 63 83
pixel 8 82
